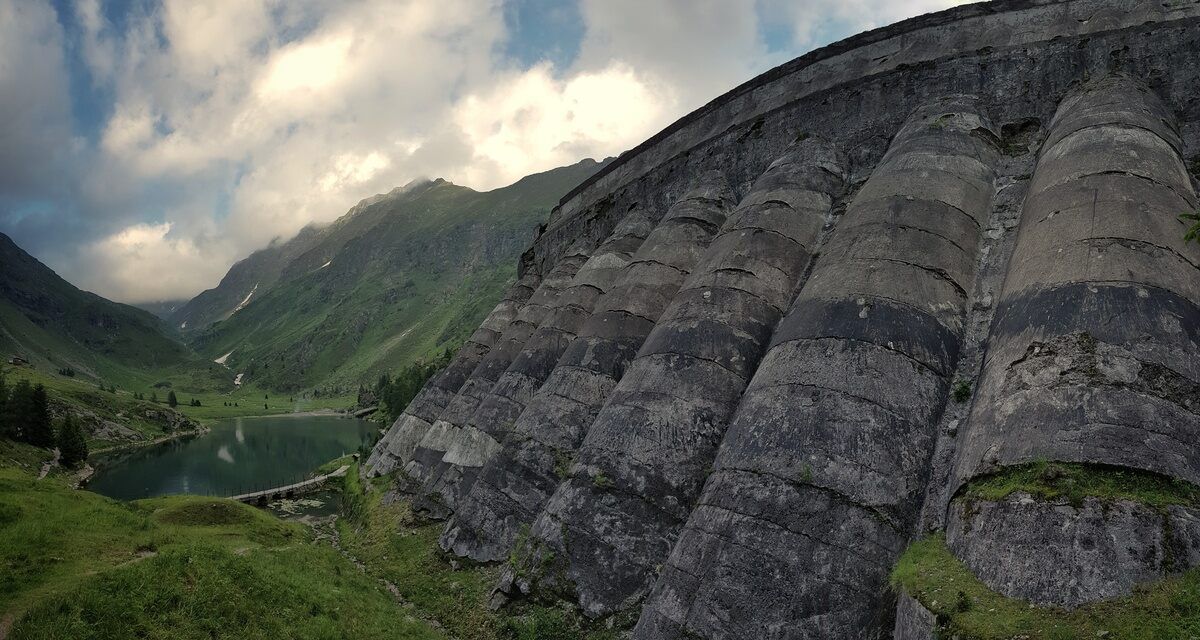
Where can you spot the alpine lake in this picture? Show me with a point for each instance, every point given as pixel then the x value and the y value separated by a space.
pixel 236 456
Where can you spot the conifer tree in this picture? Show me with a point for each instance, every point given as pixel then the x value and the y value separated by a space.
pixel 171 399
pixel 39 432
pixel 72 446
pixel 3 406
pixel 20 410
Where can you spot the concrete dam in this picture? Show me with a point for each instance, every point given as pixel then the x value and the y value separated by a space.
pixel 925 286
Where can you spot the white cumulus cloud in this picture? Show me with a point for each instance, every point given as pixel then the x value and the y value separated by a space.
pixel 230 123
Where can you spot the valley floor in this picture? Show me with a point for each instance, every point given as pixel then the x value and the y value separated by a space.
pixel 119 419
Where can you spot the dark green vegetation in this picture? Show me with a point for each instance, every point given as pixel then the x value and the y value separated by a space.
pixel 1193 232
pixel 25 418
pixel 106 418
pixel 72 444
pixel 398 547
pixel 395 392
pixel 1074 482
pixel 961 391
pixel 77 565
pixel 400 277
pixel 966 608
pixel 25 413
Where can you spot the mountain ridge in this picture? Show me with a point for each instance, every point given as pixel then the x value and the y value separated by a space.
pixel 398 277
pixel 45 319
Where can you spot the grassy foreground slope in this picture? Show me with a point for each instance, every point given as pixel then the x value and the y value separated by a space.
pixel 74 564
pixel 400 277
pixel 396 546
pixel 78 565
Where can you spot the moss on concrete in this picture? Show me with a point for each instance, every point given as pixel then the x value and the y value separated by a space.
pixel 967 608
pixel 1056 480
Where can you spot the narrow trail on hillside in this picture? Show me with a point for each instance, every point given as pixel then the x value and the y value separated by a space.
pixel 47 466
pixel 328 530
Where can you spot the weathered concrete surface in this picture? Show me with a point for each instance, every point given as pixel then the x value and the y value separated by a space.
pixel 397 445
pixel 1057 554
pixel 1020 142
pixel 837 422
pixel 492 420
pixel 512 489
pixel 426 461
pixel 647 454
pixel 913 621
pixel 995 37
pixel 1095 351
pixel 1100 241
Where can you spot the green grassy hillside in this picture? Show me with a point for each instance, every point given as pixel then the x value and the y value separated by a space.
pixel 78 565
pixel 82 566
pixel 399 277
pixel 102 362
pixel 57 327
pixel 52 323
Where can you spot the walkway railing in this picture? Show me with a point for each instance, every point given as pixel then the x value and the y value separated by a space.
pixel 293 488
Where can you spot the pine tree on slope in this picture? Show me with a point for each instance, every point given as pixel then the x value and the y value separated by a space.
pixel 72 446
pixel 39 432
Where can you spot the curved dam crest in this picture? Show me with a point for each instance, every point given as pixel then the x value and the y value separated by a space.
pixel 758 356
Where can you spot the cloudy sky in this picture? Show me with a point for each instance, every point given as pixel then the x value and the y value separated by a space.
pixel 146 145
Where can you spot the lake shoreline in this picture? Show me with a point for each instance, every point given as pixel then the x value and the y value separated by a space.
pixel 205 428
pixel 199 431
pixel 299 414
pixel 233 457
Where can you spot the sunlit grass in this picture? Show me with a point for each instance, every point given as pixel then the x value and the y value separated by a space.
pixel 78 565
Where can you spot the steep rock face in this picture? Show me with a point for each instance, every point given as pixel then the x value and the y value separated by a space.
pixel 492 421
pixel 543 440
pixel 1054 553
pixel 997 277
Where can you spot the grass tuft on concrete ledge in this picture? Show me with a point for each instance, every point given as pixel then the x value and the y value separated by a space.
pixel 1056 480
pixel 966 608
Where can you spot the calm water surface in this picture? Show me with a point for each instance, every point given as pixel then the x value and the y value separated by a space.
pixel 237 456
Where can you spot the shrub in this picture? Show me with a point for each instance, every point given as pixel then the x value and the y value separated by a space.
pixel 962 391
pixel 1193 232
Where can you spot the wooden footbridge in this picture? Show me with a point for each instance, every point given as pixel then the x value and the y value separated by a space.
pixel 314 483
